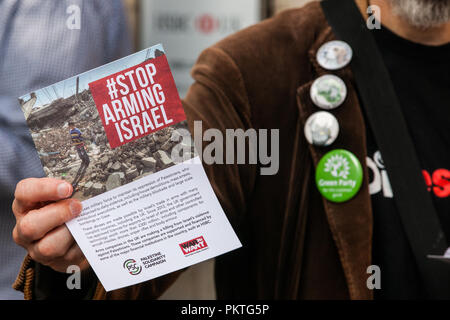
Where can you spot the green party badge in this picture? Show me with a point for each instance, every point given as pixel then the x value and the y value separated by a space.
pixel 339 175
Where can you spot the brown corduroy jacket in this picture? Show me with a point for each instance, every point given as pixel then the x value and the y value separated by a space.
pixel 296 244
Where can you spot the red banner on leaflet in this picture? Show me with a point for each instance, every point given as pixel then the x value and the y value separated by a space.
pixel 137 101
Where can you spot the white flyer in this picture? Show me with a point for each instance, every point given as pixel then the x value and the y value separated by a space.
pixel 119 135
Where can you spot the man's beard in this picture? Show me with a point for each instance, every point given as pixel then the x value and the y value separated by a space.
pixel 423 13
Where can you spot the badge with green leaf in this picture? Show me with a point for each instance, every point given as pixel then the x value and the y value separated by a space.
pixel 339 175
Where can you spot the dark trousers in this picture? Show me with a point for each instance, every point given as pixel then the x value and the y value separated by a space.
pixel 84 164
pixel 83 156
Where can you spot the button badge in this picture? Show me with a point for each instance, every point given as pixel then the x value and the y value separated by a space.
pixel 328 92
pixel 321 129
pixel 339 175
pixel 334 55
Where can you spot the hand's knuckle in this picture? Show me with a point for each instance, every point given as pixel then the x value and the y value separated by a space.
pixel 15 236
pixel 47 249
pixel 26 228
pixel 14 207
pixel 19 188
pixel 22 188
pixel 36 255
pixel 72 256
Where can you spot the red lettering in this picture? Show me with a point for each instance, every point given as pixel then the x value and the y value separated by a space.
pixel 427 178
pixel 441 180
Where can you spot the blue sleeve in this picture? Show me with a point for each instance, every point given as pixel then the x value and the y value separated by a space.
pixel 79 135
pixel 75 135
pixel 118 40
pixel 18 156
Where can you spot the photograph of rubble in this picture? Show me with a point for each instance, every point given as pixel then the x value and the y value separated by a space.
pixel 72 144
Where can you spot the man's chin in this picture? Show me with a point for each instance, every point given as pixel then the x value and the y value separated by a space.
pixel 423 13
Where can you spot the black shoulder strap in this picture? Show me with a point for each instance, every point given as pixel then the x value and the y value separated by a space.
pixel 383 112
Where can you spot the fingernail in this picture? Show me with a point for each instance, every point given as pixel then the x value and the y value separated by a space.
pixel 63 190
pixel 75 208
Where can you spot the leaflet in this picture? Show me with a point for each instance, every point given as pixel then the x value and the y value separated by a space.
pixel 444 258
pixel 119 135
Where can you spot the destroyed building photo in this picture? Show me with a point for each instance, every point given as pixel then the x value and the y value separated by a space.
pixel 108 168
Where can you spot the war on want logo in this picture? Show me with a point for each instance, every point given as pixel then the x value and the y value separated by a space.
pixel 132 266
pixel 193 246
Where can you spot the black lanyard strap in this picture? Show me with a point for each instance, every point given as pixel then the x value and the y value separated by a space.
pixel 382 108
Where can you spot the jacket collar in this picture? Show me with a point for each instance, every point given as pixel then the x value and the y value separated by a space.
pixel 350 222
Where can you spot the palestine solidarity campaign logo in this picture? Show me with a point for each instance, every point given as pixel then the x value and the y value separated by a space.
pixel 132 267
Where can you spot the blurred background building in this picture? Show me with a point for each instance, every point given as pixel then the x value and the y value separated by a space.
pixel 185 28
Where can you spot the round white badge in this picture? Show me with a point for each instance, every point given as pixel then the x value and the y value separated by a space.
pixel 328 92
pixel 321 129
pixel 334 55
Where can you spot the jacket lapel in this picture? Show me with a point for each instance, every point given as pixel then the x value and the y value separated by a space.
pixel 350 222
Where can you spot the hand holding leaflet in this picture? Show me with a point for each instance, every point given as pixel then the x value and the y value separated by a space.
pixel 148 207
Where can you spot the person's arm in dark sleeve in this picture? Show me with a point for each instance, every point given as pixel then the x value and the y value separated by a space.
pixel 218 99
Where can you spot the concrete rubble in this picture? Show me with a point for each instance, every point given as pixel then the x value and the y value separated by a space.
pixel 108 168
